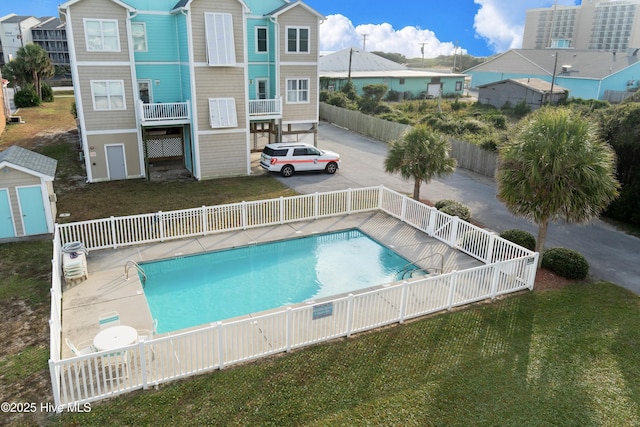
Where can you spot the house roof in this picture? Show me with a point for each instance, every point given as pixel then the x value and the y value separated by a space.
pixel 360 61
pixel 68 3
pixel 570 63
pixel 29 161
pixel 533 83
pixel 365 64
pixel 49 22
pixel 186 3
pixel 285 7
pixel 17 18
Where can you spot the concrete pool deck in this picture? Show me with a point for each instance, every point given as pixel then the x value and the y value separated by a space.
pixel 107 288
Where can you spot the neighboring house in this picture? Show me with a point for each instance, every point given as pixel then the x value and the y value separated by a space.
pixel 585 74
pixel 190 80
pixel 27 200
pixel 51 35
pixel 15 32
pixel 533 92
pixel 364 68
pixel 595 25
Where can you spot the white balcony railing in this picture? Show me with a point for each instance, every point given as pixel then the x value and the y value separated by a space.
pixel 164 111
pixel 265 107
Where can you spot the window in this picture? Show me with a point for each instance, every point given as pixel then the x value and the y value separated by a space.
pixel 401 81
pixel 458 86
pixel 297 91
pixel 220 43
pixel 261 40
pixel 102 35
pixel 222 112
pixel 139 35
pixel 108 95
pixel 297 40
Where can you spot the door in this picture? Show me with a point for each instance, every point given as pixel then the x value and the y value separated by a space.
pixel 144 88
pixel 7 227
pixel 34 217
pixel 306 159
pixel 262 89
pixel 116 166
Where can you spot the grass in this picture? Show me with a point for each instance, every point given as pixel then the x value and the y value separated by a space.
pixel 566 356
pixel 563 357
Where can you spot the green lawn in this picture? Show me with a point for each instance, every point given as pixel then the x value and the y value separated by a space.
pixel 562 357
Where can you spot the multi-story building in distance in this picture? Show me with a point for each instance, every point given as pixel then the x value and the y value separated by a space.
pixel 594 25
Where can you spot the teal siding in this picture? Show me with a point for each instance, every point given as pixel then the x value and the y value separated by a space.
pixel 165 5
pixel 165 81
pixel 162 44
pixel 414 86
pixel 262 7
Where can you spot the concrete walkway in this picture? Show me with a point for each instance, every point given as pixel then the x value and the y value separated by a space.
pixel 613 255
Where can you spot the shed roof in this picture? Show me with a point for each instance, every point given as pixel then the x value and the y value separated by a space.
pixel 532 83
pixel 360 61
pixel 29 161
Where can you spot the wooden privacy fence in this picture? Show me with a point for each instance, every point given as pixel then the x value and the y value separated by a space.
pixel 507 268
pixel 469 156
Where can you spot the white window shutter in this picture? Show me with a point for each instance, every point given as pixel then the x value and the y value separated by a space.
pixel 220 43
pixel 222 112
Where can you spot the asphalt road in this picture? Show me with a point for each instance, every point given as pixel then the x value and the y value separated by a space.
pixel 613 255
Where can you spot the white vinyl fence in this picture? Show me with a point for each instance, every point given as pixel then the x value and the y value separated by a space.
pixel 508 268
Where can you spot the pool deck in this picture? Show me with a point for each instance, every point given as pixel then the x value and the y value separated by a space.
pixel 107 288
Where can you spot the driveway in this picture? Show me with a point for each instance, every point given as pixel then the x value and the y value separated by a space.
pixel 613 256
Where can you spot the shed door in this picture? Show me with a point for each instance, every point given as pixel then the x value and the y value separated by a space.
pixel 7 228
pixel 34 218
pixel 115 162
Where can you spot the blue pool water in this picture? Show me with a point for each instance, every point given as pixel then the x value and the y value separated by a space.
pixel 194 290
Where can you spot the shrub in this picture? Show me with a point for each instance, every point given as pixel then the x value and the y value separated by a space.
pixel 456 209
pixel 382 109
pixel 338 99
pixel 520 237
pixel 444 202
pixel 47 93
pixel 521 109
pixel 393 96
pixel 566 263
pixel 26 97
pixel 324 96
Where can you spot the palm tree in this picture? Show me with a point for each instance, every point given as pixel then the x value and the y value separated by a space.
pixel 556 167
pixel 31 65
pixel 421 155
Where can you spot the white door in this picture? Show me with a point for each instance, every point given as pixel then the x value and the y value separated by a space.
pixel 116 166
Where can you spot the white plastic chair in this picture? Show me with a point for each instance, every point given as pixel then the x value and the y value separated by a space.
pixel 146 335
pixel 115 366
pixel 84 348
pixel 106 320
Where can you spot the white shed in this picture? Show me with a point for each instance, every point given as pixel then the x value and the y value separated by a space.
pixel 27 200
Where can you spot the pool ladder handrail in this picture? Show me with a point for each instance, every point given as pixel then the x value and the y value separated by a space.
pixel 139 269
pixel 404 269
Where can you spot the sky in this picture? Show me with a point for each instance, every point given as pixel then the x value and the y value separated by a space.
pixel 475 27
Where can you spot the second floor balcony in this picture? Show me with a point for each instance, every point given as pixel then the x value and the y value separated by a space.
pixel 164 113
pixel 265 108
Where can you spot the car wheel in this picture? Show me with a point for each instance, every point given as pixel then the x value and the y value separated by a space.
pixel 286 171
pixel 331 168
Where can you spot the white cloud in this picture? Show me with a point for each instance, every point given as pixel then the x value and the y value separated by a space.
pixel 501 22
pixel 337 32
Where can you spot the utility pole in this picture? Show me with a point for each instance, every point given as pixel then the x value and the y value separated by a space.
pixel 422 51
pixel 364 41
pixel 350 57
pixel 553 77
pixel 455 54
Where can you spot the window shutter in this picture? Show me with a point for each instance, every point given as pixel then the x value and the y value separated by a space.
pixel 220 43
pixel 222 112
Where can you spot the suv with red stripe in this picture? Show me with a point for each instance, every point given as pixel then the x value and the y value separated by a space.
pixel 288 158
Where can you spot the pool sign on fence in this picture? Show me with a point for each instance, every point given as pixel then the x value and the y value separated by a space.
pixel 322 310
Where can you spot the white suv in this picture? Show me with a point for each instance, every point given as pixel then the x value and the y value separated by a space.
pixel 288 158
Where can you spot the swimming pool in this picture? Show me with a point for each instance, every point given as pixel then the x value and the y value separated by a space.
pixel 198 289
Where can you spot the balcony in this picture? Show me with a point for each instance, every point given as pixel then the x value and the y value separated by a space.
pixel 265 108
pixel 162 113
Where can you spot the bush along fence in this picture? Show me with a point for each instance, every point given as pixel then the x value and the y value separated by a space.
pixel 469 156
pixel 506 268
